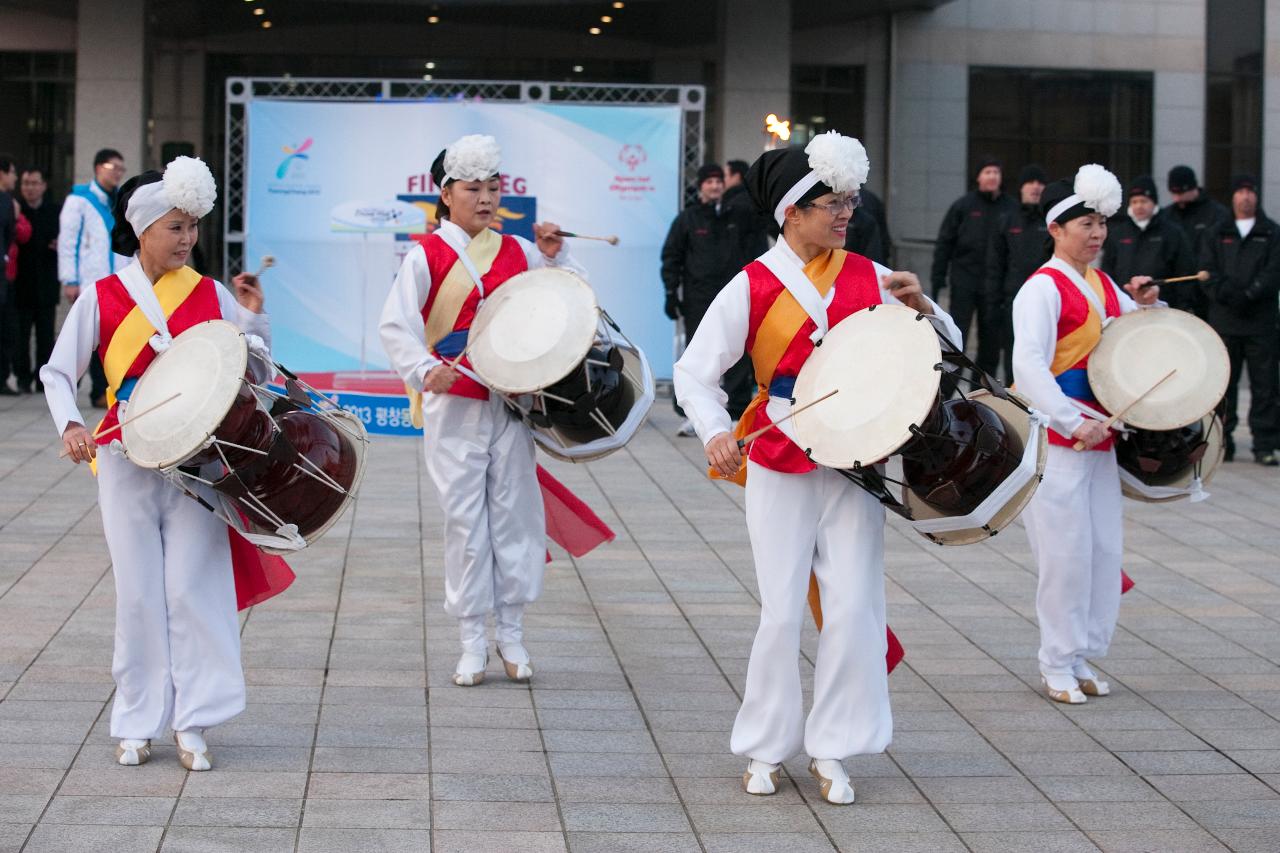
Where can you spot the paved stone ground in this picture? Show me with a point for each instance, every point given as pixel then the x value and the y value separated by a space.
pixel 355 740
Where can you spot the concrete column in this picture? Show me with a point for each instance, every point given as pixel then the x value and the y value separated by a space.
pixel 754 74
pixel 1178 133
pixel 1271 107
pixel 111 91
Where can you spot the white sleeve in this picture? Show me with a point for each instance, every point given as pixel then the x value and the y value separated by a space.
pixel 70 224
pixel 563 260
pixel 70 359
pixel 952 330
pixel 716 346
pixel 1035 339
pixel 249 323
pixel 404 335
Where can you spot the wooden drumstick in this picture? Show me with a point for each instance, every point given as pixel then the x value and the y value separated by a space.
pixel 126 421
pixel 1079 445
pixel 268 261
pixel 1203 275
pixel 612 239
pixel 752 436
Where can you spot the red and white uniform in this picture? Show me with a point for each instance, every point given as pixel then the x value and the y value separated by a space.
pixel 480 457
pixel 177 649
pixel 799 518
pixel 1074 522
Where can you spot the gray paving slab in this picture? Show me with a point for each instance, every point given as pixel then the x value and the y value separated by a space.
pixel 355 738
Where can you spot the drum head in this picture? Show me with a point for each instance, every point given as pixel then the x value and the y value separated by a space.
pixel 1209 463
pixel 1140 347
pixel 883 361
pixel 533 330
pixel 1021 424
pixel 206 365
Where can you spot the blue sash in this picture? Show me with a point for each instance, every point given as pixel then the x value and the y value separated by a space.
pixel 452 344
pixel 108 219
pixel 1075 384
pixel 782 386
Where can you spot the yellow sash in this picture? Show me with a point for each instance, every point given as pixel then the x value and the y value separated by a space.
pixel 1079 342
pixel 781 323
pixel 451 296
pixel 135 330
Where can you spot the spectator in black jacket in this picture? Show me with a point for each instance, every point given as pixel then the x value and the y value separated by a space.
pixel 1142 242
pixel 1242 257
pixel 1019 247
pixel 706 246
pixel 871 203
pixel 865 238
pixel 37 290
pixel 960 257
pixel 1192 209
pixel 736 199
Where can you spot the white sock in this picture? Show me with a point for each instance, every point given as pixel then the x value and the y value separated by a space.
pixel 509 624
pixel 761 781
pixel 1060 681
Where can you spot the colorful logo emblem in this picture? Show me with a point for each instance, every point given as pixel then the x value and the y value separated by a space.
pixel 295 153
pixel 632 156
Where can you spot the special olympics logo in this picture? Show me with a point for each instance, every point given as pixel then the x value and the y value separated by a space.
pixel 632 156
pixel 294 153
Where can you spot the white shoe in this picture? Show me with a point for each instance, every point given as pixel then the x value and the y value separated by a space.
pixel 1090 683
pixel 515 659
pixel 761 778
pixel 193 752
pixel 833 782
pixel 133 752
pixel 470 669
pixel 1063 688
pixel 686 429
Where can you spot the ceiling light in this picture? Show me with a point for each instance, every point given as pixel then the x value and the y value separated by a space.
pixel 430 66
pixel 577 69
pixel 428 76
pixel 266 25
pixel 606 19
pixel 618 4
pixel 259 11
pixel 433 19
pixel 595 31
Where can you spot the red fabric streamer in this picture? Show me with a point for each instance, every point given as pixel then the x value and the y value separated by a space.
pixel 570 522
pixel 1126 582
pixel 258 575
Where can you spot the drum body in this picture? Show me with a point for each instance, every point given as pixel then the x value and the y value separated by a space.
pixel 1158 466
pixel 284 466
pixel 969 463
pixel 579 383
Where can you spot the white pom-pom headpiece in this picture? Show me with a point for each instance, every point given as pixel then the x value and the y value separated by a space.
pixel 838 161
pixel 187 185
pixel 475 157
pixel 1095 188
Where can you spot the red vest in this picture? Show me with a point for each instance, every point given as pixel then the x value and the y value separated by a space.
pixel 855 287
pixel 1073 314
pixel 115 303
pixel 441 257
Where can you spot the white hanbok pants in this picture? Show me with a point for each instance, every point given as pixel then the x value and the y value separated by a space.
pixel 1076 529
pixel 822 522
pixel 481 460
pixel 177 648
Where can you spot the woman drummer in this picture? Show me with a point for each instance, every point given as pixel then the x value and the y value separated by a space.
pixel 177 643
pixel 1074 521
pixel 480 457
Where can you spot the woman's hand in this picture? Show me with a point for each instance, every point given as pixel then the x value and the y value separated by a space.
pixel 1142 295
pixel 905 287
pixel 1091 433
pixel 440 379
pixel 248 291
pixel 548 241
pixel 78 443
pixel 724 455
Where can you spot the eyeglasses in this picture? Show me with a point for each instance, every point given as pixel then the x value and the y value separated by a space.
pixel 838 204
pixel 118 168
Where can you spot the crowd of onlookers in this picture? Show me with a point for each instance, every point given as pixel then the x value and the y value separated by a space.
pixel 51 247
pixel 995 236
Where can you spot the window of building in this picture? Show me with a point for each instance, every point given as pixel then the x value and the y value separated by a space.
pixel 1061 119
pixel 1233 92
pixel 40 88
pixel 827 97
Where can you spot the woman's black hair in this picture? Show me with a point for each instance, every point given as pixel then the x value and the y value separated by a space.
pixel 437 175
pixel 123 240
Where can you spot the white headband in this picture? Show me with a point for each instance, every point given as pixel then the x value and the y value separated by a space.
pixel 1062 207
pixel 805 184
pixel 187 185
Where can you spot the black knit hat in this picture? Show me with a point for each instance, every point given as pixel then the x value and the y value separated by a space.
pixel 987 160
pixel 123 240
pixel 774 173
pixel 1244 182
pixel 707 171
pixel 1143 185
pixel 1182 179
pixel 1032 172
